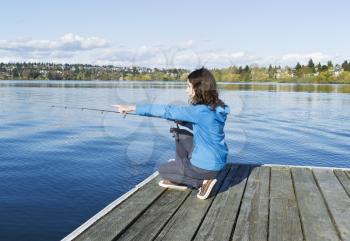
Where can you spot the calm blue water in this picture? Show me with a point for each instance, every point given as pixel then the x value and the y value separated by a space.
pixel 58 167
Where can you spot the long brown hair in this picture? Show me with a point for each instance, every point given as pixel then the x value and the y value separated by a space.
pixel 205 90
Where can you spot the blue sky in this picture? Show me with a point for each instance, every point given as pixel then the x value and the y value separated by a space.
pixel 174 33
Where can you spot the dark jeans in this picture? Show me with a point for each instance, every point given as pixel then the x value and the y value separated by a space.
pixel 181 170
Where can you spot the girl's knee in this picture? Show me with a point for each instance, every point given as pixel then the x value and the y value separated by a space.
pixel 164 168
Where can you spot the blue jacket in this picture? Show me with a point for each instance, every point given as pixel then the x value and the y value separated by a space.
pixel 210 150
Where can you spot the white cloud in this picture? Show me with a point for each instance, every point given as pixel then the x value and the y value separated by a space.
pixel 71 48
pixel 68 42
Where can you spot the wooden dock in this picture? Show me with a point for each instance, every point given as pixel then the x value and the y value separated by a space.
pixel 275 203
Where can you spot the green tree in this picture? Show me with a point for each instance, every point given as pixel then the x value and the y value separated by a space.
pixel 346 66
pixel 325 77
pixel 260 74
pixel 323 68
pixel 246 74
pixel 318 67
pixel 329 64
pixel 272 72
pixel 311 65
pixel 344 77
pixel 15 73
pixel 297 70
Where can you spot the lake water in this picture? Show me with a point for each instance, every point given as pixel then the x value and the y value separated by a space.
pixel 58 167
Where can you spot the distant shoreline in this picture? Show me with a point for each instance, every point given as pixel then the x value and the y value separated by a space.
pixel 180 81
pixel 311 73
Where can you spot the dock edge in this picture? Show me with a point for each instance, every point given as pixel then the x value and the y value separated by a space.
pixel 107 209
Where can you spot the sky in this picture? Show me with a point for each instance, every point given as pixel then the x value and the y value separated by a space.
pixel 168 34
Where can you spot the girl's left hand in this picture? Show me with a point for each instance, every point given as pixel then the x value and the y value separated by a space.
pixel 125 108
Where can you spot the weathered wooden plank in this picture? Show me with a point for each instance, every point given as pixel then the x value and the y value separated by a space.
pixel 344 179
pixel 155 217
pixel 185 222
pixel 284 222
pixel 120 217
pixel 347 173
pixel 281 183
pixel 316 222
pixel 219 221
pixel 252 221
pixel 337 200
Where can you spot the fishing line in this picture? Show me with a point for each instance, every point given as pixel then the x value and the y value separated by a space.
pixel 174 130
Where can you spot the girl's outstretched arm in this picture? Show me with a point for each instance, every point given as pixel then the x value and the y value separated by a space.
pixel 171 112
pixel 188 113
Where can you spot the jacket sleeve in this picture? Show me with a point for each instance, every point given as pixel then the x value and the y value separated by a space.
pixel 170 112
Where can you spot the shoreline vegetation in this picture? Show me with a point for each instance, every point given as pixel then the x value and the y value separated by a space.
pixel 311 73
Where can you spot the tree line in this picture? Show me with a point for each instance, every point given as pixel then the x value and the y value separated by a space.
pixel 309 73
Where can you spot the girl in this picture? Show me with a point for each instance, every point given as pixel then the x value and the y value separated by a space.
pixel 200 158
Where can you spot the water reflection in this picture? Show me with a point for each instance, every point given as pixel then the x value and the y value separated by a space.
pixel 282 87
pixel 272 87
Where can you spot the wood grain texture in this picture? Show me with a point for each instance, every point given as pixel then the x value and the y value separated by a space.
pixel 344 180
pixel 257 203
pixel 219 221
pixel 119 218
pixel 155 217
pixel 252 223
pixel 184 224
pixel 317 223
pixel 284 222
pixel 337 200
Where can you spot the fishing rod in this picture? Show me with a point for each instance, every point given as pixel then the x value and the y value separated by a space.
pixel 92 109
pixel 174 130
pixel 99 110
